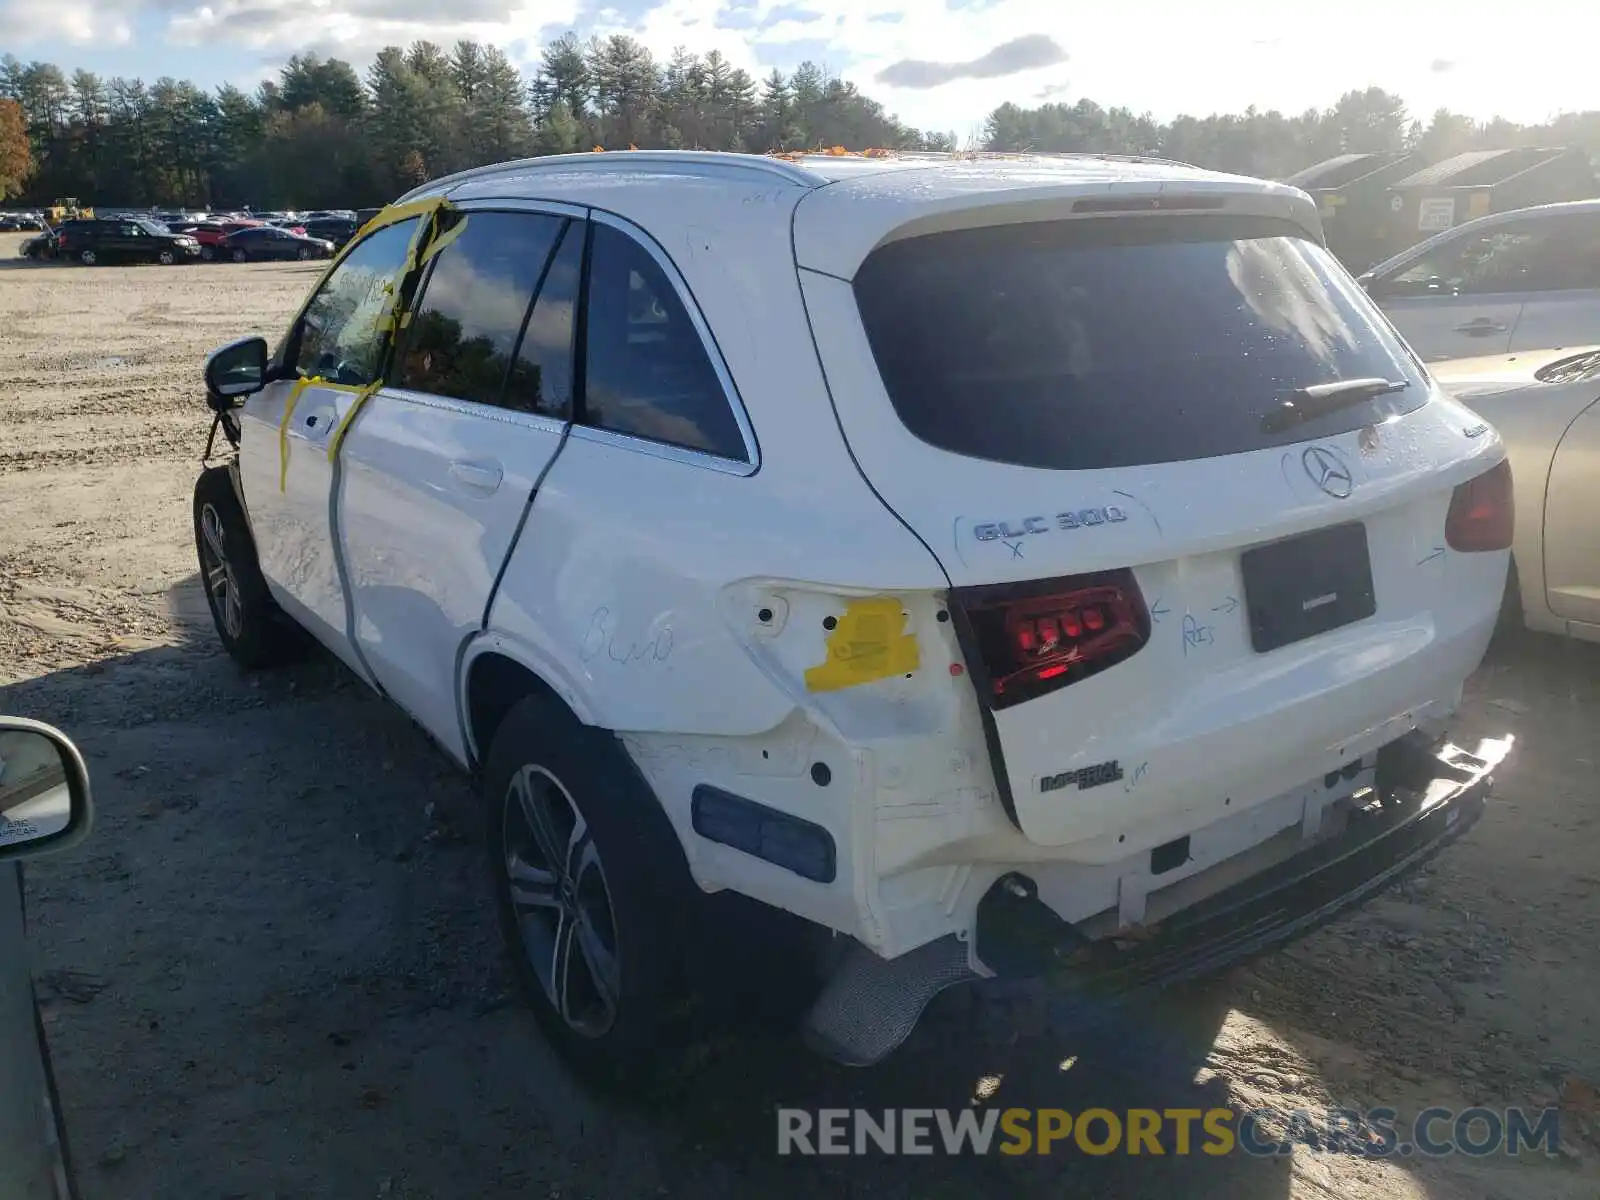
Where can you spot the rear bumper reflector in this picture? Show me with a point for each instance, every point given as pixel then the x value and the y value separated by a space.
pixel 792 843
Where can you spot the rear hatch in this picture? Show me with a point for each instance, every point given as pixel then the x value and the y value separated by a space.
pixel 1177 596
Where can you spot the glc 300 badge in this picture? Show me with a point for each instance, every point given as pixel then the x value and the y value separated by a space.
pixel 1080 518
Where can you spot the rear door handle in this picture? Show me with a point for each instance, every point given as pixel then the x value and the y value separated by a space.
pixel 1482 327
pixel 482 477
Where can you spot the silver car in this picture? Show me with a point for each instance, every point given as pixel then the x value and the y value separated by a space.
pixel 44 806
pixel 1545 404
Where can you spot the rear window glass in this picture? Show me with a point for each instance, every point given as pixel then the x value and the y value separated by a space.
pixel 1107 342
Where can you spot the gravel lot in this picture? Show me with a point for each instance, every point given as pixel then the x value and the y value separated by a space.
pixel 273 970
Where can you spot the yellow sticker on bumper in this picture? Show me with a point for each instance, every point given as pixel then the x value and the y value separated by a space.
pixel 869 643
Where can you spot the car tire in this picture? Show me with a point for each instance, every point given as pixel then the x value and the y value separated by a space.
pixel 166 258
pixel 88 257
pixel 207 253
pixel 253 629
pixel 240 256
pixel 598 944
pixel 303 254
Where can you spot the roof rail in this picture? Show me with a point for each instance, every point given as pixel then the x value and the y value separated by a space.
pixel 706 162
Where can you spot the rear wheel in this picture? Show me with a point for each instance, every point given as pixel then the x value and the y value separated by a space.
pixel 88 257
pixel 253 630
pixel 593 891
pixel 240 256
pixel 207 253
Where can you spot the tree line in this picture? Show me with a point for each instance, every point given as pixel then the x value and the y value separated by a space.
pixel 322 135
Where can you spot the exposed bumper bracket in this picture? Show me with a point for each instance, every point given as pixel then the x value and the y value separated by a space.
pixel 1433 793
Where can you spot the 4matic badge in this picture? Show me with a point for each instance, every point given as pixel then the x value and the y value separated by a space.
pixel 989 531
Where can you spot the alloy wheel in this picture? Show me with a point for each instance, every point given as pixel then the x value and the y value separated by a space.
pixel 562 902
pixel 87 258
pixel 220 584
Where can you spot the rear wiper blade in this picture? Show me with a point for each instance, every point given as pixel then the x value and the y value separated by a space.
pixel 1322 398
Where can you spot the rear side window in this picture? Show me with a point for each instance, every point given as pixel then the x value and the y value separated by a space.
pixel 647 370
pixel 1115 342
pixel 464 329
pixel 541 372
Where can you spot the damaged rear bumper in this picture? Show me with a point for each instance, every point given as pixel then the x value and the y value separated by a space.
pixel 871 1005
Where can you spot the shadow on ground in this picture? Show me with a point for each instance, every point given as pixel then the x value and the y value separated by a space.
pixel 294 987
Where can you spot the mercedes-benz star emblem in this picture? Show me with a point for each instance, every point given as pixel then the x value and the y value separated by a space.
pixel 1327 472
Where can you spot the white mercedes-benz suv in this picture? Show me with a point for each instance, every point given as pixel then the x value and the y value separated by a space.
pixel 1005 565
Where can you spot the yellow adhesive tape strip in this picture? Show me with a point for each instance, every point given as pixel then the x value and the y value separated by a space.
pixel 442 240
pixel 300 385
pixel 869 643
pixel 362 396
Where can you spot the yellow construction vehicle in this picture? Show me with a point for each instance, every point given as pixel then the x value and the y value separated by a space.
pixel 67 208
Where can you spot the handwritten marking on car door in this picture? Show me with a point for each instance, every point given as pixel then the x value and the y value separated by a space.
pixel 602 635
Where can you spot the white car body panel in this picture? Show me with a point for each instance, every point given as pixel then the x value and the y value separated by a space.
pixel 287 479
pixel 636 585
pixel 1552 435
pixel 432 494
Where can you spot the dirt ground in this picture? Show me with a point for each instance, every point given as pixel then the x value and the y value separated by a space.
pixel 273 972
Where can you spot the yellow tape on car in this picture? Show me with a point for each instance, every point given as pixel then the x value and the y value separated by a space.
pixel 343 427
pixel 868 643
pixel 300 385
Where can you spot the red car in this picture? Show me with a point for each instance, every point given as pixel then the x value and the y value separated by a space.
pixel 210 234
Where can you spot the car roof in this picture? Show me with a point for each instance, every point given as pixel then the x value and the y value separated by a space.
pixel 854 202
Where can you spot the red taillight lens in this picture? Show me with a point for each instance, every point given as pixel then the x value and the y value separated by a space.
pixel 1034 638
pixel 1482 514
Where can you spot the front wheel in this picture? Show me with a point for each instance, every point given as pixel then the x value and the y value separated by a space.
pixel 303 254
pixel 207 253
pixel 166 258
pixel 253 630
pixel 240 256
pixel 593 892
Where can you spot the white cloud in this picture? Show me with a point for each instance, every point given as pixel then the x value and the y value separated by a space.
pixel 77 21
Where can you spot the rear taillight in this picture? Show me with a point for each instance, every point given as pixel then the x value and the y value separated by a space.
pixel 1482 514
pixel 1029 639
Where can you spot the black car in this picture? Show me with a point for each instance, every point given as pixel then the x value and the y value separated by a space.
pixel 127 239
pixel 267 242
pixel 337 230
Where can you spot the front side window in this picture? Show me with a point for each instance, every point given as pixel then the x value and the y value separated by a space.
pixel 647 370
pixel 1517 257
pixel 342 334
pixel 464 329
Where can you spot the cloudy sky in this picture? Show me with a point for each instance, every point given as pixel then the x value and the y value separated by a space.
pixel 939 64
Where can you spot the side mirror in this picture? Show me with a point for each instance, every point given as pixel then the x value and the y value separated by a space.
pixel 238 369
pixel 44 789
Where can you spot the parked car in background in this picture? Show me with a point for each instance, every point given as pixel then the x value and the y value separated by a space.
pixel 133 239
pixel 211 234
pixel 41 248
pixel 44 806
pixel 337 230
pixel 268 242
pixel 1522 280
pixel 1546 406
pixel 783 562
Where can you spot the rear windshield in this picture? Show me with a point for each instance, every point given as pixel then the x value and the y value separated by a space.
pixel 1114 342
